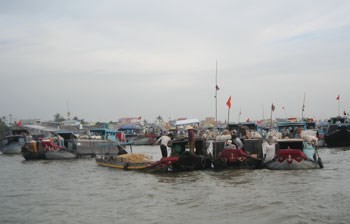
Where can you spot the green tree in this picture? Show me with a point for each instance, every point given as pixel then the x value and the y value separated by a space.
pixel 58 118
pixel 3 127
pixel 159 119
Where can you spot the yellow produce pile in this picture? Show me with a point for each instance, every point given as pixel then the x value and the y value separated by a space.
pixel 134 158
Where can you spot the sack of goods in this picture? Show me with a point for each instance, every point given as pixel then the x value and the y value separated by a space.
pixel 134 158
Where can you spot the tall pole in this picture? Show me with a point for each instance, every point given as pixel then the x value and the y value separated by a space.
pixel 228 116
pixel 271 120
pixel 216 94
pixel 263 114
pixel 272 109
pixel 239 115
pixel 302 110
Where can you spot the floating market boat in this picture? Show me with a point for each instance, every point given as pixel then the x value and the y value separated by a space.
pixel 183 160
pixel 180 159
pixel 291 154
pixel 99 141
pixel 131 161
pixel 338 132
pixel 249 157
pixel 45 149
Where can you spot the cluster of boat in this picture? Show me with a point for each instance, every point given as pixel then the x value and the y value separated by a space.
pixel 290 145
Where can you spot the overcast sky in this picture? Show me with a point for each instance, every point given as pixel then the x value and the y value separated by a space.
pixel 105 60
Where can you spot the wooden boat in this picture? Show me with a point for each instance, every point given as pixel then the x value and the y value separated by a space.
pixel 99 141
pixel 338 132
pixel 45 149
pixel 291 154
pixel 131 161
pixel 250 157
pixel 132 132
pixel 180 159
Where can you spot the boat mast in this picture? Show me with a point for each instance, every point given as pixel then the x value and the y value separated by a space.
pixel 216 94
pixel 302 110
pixel 68 112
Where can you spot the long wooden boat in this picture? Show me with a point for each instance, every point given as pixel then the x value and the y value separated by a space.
pixel 180 159
pixel 118 163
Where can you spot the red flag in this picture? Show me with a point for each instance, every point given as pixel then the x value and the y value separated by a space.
pixel 217 87
pixel 19 123
pixel 338 97
pixel 247 120
pixel 228 103
pixel 273 107
pixel 139 118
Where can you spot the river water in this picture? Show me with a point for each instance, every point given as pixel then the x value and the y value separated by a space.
pixel 79 191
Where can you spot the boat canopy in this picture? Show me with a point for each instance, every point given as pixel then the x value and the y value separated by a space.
pixel 338 120
pixel 40 128
pixel 66 134
pixel 282 125
pixel 187 122
pixel 290 144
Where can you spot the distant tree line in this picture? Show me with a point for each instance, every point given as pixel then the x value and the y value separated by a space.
pixel 3 127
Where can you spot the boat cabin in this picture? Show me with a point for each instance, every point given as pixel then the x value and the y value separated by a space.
pixel 19 131
pixel 291 129
pixel 103 134
pixel 179 146
pixel 337 123
pixel 338 120
pixel 131 130
pixel 13 139
pixel 290 144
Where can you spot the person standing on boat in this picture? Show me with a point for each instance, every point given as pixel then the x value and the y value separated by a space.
pixel 60 141
pixel 191 138
pixel 164 141
pixel 236 140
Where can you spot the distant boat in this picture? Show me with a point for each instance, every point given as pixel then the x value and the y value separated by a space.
pixel 132 132
pixel 45 149
pixel 338 132
pixel 99 140
pixel 12 144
